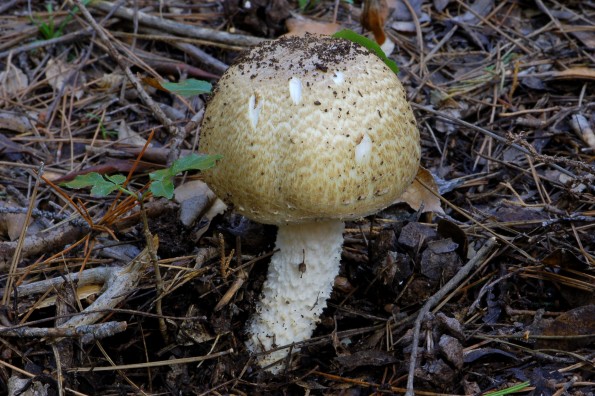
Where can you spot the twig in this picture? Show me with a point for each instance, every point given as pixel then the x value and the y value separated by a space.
pixel 216 37
pixel 192 50
pixel 153 364
pixel 86 333
pixel 7 6
pixel 152 250
pixel 143 95
pixel 435 299
pixel 86 277
pixel 119 283
pixel 21 242
pixel 47 43
pixel 59 373
pixel 420 39
pixel 43 214
pixel 552 161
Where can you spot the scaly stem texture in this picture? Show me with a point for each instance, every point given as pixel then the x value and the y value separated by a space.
pixel 300 280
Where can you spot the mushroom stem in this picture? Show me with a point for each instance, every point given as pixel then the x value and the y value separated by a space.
pixel 300 280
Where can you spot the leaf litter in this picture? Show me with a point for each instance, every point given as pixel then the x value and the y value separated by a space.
pixel 503 94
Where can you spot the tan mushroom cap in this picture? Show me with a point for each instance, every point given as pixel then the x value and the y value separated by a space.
pixel 310 128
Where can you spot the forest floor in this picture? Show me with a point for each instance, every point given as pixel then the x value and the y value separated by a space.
pixel 489 284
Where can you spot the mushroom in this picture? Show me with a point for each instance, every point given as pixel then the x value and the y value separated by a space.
pixel 313 131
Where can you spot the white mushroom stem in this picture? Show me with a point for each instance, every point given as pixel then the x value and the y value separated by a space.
pixel 299 281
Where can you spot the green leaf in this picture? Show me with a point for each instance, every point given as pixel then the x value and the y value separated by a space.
pixel 369 44
pixel 82 181
pixel 116 179
pixel 163 188
pixel 161 174
pixel 104 188
pixel 194 162
pixel 162 184
pixel 101 186
pixel 190 87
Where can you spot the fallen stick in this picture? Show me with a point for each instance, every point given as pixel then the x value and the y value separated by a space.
pixel 214 36
pixel 435 299
pixel 86 333
pixel 118 284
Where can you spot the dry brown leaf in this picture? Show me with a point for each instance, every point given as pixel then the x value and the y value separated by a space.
pixel 128 136
pixel 196 199
pixel 82 293
pixel 111 81
pixel 574 326
pixel 582 127
pixel 299 26
pixel 575 73
pixel 373 17
pixel 417 195
pixel 11 224
pixel 58 74
pixel 15 122
pixel 13 80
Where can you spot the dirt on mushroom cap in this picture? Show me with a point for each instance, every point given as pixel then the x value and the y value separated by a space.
pixel 310 128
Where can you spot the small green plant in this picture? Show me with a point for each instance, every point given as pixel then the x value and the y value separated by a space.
pixel 48 29
pixel 104 132
pixel 162 181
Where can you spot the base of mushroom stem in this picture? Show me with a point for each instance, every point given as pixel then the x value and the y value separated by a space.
pixel 299 282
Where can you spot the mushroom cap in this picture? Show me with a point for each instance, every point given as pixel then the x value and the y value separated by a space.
pixel 310 128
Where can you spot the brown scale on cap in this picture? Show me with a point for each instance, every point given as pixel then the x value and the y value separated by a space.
pixel 310 128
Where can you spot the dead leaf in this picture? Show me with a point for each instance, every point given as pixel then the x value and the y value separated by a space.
pixel 13 80
pixel 196 201
pixel 576 322
pixel 414 234
pixel 299 26
pixel 194 198
pixel 517 213
pixel 12 151
pixel 11 224
pixel 565 259
pixel 373 18
pixel 128 136
pixel 111 81
pixel 15 122
pixel 365 358
pixel 478 9
pixel 59 75
pixel 448 229
pixel 417 194
pixel 154 82
pixel 440 262
pixel 575 73
pixel 583 129
pixel 452 350
pixel 402 10
pixel 82 293
pixel 475 354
